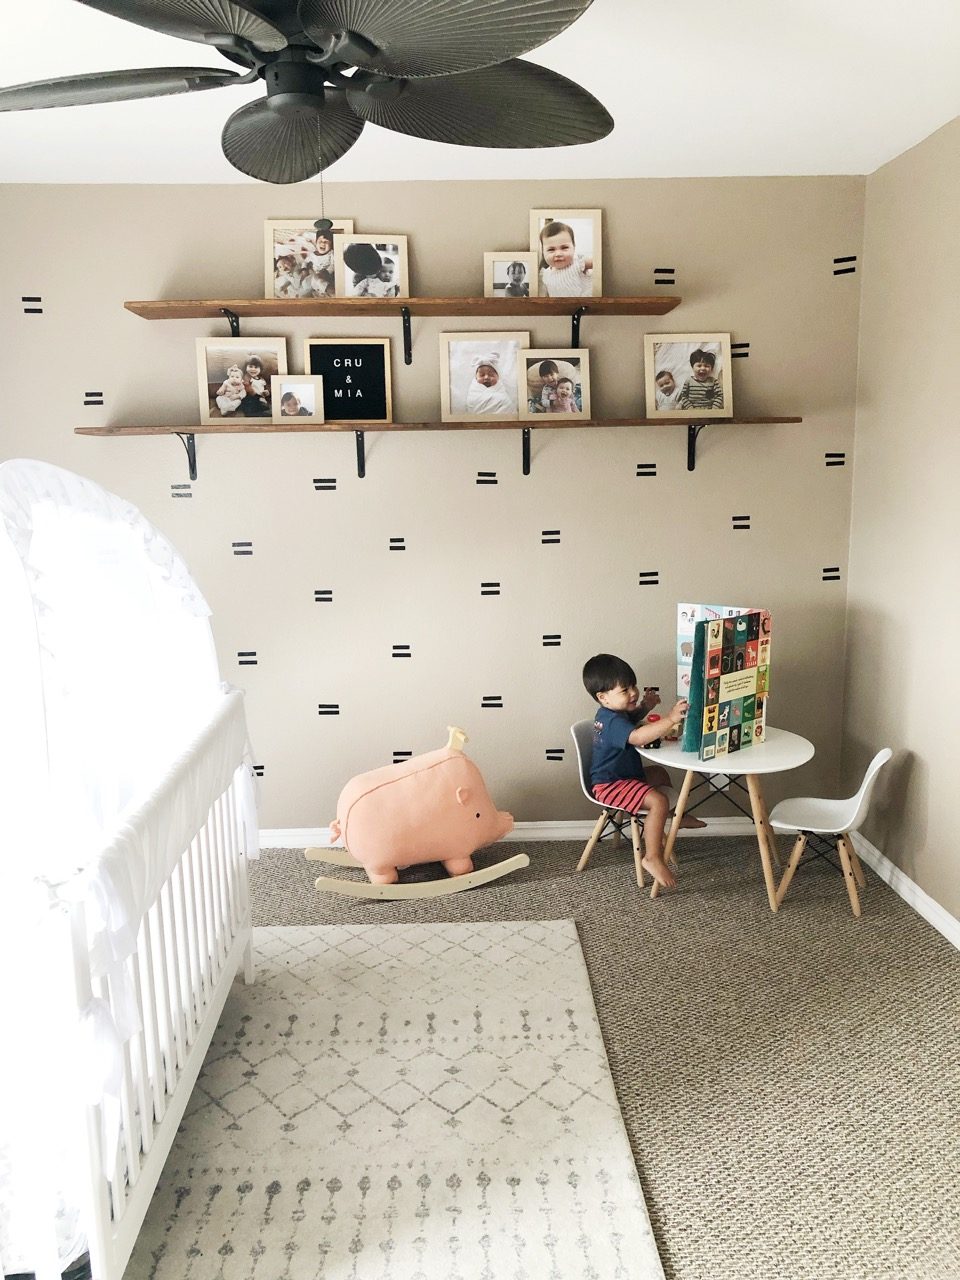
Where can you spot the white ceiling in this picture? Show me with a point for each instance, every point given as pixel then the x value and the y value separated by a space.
pixel 697 88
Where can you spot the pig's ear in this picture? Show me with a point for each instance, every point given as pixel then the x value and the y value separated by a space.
pixel 463 795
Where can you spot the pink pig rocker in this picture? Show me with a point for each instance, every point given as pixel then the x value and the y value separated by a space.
pixel 430 808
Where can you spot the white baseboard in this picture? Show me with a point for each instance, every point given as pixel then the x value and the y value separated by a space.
pixel 908 889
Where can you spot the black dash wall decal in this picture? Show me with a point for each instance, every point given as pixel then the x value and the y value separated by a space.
pixel 487 477
pixel 242 548
pixel 551 641
pixel 328 708
pixel 739 349
pixel 32 306
pixel 489 588
pixel 324 484
pixel 398 544
pixel 550 537
pixel 831 573
pixel 649 577
pixel 845 266
pixel 247 657
pixel 554 753
pixel 93 397
pixel 664 275
pixel 493 701
pixel 401 651
pixel 181 491
pixel 323 596
pixel 741 522
pixel 646 469
pixel 399 756
pixel 258 770
pixel 835 459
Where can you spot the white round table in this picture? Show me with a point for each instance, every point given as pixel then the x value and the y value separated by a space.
pixel 778 752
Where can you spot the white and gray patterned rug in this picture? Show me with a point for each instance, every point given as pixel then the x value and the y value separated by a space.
pixel 405 1102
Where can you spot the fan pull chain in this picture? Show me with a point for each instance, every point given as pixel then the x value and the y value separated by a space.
pixel 322 223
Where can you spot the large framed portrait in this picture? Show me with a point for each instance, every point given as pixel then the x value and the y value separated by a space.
pixel 510 275
pixel 297 399
pixel 356 377
pixel 234 377
pixel 687 375
pixel 567 245
pixel 372 266
pixel 478 376
pixel 554 383
pixel 298 259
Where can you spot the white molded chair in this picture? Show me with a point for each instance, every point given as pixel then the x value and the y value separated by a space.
pixel 829 823
pixel 611 821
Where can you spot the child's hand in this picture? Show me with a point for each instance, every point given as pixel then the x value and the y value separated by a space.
pixel 650 699
pixel 679 710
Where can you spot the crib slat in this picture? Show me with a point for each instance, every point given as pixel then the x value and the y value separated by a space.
pixel 151 1023
pixel 128 1112
pixel 142 1073
pixel 220 871
pixel 231 857
pixel 186 957
pixel 163 995
pixel 208 837
pixel 165 903
pixel 203 936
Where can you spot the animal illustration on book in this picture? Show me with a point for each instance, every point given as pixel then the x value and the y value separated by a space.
pixel 728 679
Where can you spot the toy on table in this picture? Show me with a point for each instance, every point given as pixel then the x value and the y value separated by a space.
pixel 431 808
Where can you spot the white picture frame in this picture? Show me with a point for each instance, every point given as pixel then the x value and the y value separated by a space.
pixel 543 375
pixel 582 275
pixel 357 273
pixel 217 357
pixel 309 273
pixel 478 376
pixel 297 399
pixel 502 279
pixel 672 354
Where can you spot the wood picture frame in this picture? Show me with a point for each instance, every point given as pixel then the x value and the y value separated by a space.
pixel 371 265
pixel 502 279
pixel 309 273
pixel 575 266
pixel 221 397
pixel 478 376
pixel 356 377
pixel 675 388
pixel 543 390
pixel 297 399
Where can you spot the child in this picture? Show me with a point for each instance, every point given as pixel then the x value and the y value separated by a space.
pixel 323 263
pixel 667 390
pixel 618 776
pixel 255 402
pixel 565 401
pixel 567 273
pixel 290 406
pixel 702 391
pixel 487 394
pixel 549 371
pixel 286 277
pixel 231 391
pixel 517 286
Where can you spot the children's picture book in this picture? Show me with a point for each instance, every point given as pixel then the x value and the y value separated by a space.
pixel 729 680
pixel 688 615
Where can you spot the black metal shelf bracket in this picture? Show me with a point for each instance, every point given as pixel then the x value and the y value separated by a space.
pixel 189 442
pixel 526 451
pixel 575 325
pixel 361 456
pixel 233 320
pixel 693 430
pixel 407 338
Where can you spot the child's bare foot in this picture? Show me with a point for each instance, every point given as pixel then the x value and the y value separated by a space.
pixel 660 871
pixel 691 823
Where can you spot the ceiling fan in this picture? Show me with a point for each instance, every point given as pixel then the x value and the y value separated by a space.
pixel 446 70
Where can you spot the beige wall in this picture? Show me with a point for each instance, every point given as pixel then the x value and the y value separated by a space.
pixel 903 688
pixel 753 257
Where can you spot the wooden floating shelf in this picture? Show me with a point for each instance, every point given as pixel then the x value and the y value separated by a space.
pixel 513 424
pixel 214 308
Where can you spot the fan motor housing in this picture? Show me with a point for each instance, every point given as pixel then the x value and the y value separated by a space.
pixel 293 87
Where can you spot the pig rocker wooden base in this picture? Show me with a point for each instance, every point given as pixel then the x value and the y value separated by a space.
pixel 425 889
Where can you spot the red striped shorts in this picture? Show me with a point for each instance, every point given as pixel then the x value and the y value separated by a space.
pixel 625 793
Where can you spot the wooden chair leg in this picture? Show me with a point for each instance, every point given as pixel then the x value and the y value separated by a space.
pixel 857 866
pixel 637 851
pixel 796 854
pixel 845 850
pixel 617 837
pixel 592 842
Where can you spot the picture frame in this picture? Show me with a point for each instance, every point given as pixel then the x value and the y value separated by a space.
pixel 225 398
pixel 310 271
pixel 356 377
pixel 541 397
pixel 478 376
pixel 372 265
pixel 673 389
pixel 502 279
pixel 297 399
pixel 575 266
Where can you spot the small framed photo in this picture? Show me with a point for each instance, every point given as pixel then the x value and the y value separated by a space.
pixel 234 377
pixel 356 377
pixel 567 245
pixel 371 266
pixel 478 376
pixel 298 259
pixel 510 275
pixel 297 398
pixel 554 383
pixel 687 375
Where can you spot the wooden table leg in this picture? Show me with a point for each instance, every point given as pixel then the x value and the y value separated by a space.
pixel 668 855
pixel 771 834
pixel 756 804
pixel 844 849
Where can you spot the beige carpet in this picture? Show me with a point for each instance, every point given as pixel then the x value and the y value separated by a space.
pixel 789 1083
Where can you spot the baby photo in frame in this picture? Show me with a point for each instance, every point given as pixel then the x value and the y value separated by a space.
pixel 356 377
pixel 373 265
pixel 298 259
pixel 297 399
pixel 478 376
pixel 567 245
pixel 510 274
pixel 554 383
pixel 234 377
pixel 687 375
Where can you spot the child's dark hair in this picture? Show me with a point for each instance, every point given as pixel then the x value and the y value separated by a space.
pixel 554 229
pixel 604 672
pixel 517 263
pixel 548 366
pixel 254 360
pixel 706 356
pixel 560 381
pixel 287 397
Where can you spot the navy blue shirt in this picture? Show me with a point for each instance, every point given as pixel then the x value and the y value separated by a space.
pixel 613 757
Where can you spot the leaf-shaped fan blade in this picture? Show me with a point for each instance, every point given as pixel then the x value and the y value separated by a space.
pixel 515 104
pixel 112 86
pixel 277 147
pixel 196 19
pixel 440 37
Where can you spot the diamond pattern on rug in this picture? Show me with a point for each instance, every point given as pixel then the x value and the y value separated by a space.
pixel 405 1102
